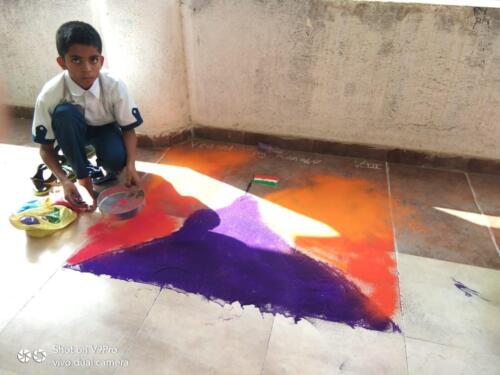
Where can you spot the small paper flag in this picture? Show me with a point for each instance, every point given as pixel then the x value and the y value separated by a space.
pixel 266 180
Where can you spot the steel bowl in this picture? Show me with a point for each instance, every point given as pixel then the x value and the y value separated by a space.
pixel 121 202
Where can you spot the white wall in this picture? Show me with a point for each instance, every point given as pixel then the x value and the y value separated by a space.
pixel 413 76
pixel 418 77
pixel 3 111
pixel 142 43
pixel 27 43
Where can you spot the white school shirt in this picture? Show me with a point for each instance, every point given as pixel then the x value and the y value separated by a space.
pixel 105 102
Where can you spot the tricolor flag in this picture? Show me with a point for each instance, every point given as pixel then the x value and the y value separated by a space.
pixel 265 180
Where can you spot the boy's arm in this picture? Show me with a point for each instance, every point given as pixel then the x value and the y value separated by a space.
pixel 71 193
pixel 49 157
pixel 128 117
pixel 130 140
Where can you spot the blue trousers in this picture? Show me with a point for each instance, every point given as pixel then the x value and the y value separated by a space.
pixel 73 134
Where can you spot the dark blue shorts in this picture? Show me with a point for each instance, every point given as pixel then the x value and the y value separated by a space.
pixel 73 134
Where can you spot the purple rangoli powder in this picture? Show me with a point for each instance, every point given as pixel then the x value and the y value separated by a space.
pixel 467 291
pixel 242 221
pixel 198 259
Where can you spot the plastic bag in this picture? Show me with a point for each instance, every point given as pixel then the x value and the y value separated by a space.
pixel 41 218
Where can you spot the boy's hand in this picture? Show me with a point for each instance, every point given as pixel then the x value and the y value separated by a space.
pixel 73 196
pixel 131 176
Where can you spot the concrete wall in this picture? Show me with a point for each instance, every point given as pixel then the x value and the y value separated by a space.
pixel 420 77
pixel 3 110
pixel 142 43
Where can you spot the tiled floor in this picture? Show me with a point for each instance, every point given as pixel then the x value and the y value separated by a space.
pixel 447 231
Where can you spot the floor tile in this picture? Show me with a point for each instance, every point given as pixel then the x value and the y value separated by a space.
pixel 430 217
pixel 271 161
pixel 350 196
pixel 83 322
pixel 289 166
pixel 8 372
pixel 186 334
pixel 320 347
pixel 150 155
pixel 212 159
pixel 487 191
pixel 24 261
pixel 426 358
pixel 451 304
pixel 28 262
pixel 311 223
pixel 450 310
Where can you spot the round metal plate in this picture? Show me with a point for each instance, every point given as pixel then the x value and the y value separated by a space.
pixel 121 202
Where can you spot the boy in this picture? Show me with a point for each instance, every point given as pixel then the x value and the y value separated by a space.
pixel 81 106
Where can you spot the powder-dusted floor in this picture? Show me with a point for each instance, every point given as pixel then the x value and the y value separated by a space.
pixel 347 266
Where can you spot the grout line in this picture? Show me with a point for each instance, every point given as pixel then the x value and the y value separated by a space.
pixel 30 298
pixel 60 266
pixel 396 252
pixel 449 262
pixel 476 201
pixel 267 346
pixel 133 337
pixel 161 157
pixel 429 341
pixel 469 349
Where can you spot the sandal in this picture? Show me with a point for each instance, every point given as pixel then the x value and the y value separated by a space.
pixel 43 185
pixel 69 172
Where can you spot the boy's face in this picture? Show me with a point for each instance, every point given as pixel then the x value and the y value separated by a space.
pixel 83 64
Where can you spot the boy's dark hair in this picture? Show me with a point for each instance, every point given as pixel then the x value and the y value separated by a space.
pixel 76 32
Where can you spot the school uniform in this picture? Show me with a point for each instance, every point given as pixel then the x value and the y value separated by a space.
pixel 73 117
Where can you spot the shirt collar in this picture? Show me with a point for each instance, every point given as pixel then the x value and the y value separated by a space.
pixel 76 90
